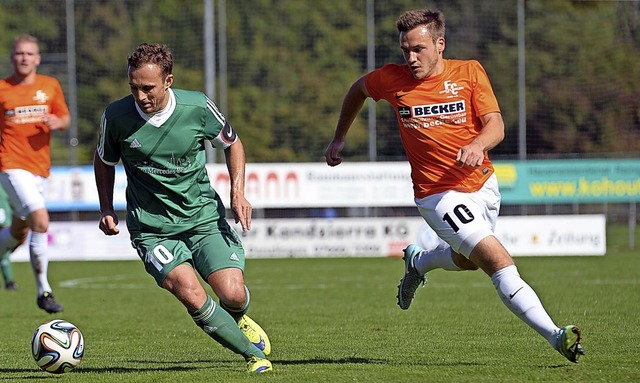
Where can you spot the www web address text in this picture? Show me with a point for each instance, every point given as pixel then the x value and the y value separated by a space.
pixel 586 188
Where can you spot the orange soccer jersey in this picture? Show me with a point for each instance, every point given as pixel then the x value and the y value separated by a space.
pixel 24 138
pixel 436 117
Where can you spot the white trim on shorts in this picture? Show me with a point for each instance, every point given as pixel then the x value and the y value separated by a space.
pixel 25 190
pixel 463 219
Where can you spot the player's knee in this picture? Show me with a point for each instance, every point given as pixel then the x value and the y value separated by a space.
pixel 228 285
pixel 462 262
pixel 233 298
pixel 39 224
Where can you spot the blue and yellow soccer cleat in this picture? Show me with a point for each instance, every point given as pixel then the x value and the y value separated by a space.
pixel 411 280
pixel 255 333
pixel 568 343
pixel 257 365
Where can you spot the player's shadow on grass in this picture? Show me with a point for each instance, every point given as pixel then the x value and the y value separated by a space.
pixel 352 360
pixel 165 366
pixel 357 360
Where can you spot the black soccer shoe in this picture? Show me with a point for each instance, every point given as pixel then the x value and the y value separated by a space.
pixel 48 304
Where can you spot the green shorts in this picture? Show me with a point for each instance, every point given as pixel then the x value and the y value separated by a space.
pixel 206 251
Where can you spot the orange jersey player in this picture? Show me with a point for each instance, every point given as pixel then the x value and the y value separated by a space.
pixel 32 105
pixel 449 119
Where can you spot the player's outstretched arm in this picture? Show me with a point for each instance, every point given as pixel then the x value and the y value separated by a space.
pixel 351 105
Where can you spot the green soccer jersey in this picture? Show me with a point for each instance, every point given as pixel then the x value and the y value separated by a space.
pixel 168 190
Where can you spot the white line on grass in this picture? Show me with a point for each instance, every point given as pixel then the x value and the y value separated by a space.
pixel 108 282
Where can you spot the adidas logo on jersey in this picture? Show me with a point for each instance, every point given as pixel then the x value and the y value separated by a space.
pixel 135 144
pixel 234 257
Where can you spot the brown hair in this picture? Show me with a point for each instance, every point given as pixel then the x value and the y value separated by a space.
pixel 152 54
pixel 430 18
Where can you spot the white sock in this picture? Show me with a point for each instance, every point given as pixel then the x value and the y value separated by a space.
pixel 520 298
pixel 6 240
pixel 38 246
pixel 436 258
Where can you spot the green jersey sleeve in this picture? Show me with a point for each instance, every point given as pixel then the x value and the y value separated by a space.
pixel 222 134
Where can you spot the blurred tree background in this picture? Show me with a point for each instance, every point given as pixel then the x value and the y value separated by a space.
pixel 283 66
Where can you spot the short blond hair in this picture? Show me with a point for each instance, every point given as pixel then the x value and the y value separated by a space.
pixel 25 38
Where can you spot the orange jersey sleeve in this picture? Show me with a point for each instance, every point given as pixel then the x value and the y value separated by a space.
pixel 24 138
pixel 436 117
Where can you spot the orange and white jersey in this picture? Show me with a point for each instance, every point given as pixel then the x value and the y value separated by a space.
pixel 24 138
pixel 436 117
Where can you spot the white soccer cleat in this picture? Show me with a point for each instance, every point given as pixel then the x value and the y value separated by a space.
pixel 411 280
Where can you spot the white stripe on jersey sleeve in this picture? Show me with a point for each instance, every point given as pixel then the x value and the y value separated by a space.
pixel 100 148
pixel 214 110
pixel 227 135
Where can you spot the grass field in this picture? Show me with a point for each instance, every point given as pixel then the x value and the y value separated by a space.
pixel 336 320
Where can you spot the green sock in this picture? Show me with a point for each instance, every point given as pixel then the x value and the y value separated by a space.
pixel 238 313
pixel 6 267
pixel 220 326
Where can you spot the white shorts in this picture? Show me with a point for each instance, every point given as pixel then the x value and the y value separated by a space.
pixel 463 219
pixel 26 191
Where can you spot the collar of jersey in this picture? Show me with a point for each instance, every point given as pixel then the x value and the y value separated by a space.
pixel 160 117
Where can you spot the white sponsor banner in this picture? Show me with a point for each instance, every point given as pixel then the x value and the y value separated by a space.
pixel 340 237
pixel 553 235
pixel 268 185
pixel 344 237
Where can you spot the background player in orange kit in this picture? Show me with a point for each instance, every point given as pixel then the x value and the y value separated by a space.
pixel 449 119
pixel 32 106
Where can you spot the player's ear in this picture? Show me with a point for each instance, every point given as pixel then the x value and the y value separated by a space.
pixel 168 81
pixel 440 45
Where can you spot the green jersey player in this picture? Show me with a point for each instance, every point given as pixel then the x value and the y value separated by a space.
pixel 175 218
